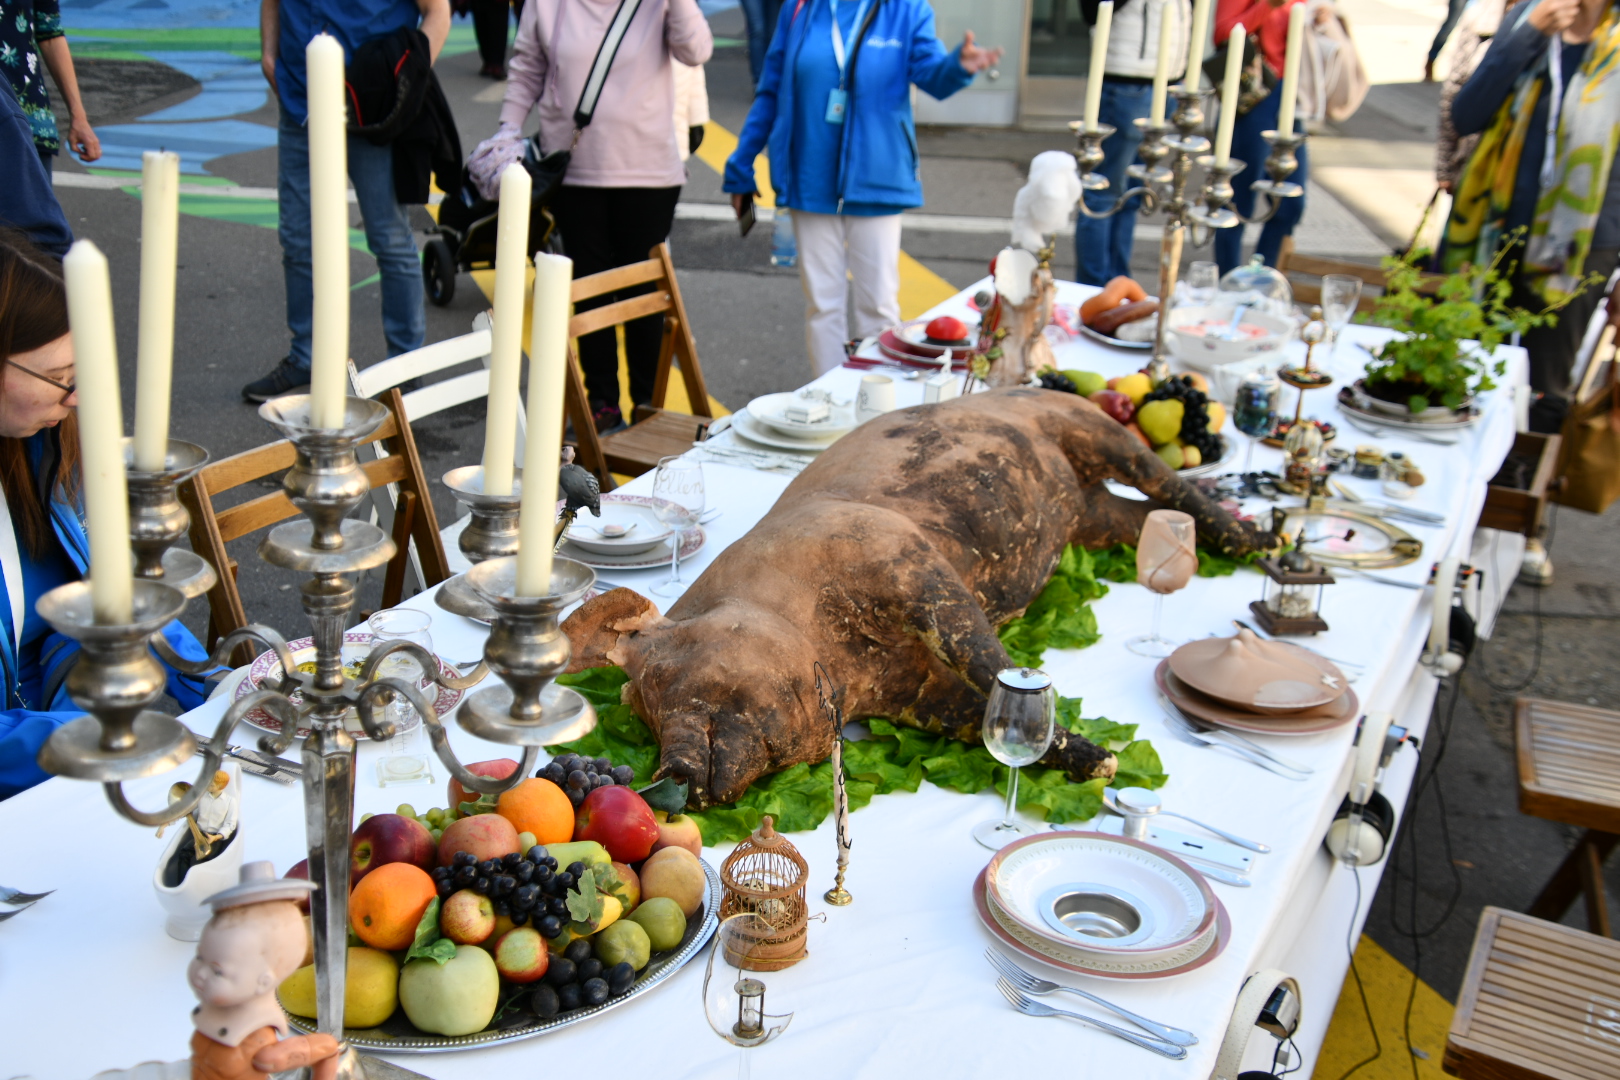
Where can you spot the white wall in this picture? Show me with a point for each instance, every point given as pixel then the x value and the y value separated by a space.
pixel 987 102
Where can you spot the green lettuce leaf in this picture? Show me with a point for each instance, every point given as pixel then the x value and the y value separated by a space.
pixel 1061 616
pixel 1139 766
pixel 619 735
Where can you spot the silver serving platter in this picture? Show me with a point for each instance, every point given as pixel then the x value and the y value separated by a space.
pixel 398 1036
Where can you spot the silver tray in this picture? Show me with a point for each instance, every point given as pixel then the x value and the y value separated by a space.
pixel 398 1035
pixel 1118 343
pixel 1229 449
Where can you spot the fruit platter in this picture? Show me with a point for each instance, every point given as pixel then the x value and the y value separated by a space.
pixel 1177 419
pixel 505 917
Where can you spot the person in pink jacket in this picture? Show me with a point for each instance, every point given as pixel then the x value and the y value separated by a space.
pixel 618 199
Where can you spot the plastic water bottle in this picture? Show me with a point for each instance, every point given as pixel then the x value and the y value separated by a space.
pixel 784 251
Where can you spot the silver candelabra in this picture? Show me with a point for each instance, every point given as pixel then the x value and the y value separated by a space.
pixel 1169 152
pixel 118 678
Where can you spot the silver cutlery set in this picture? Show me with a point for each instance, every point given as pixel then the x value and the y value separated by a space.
pixel 1020 988
pixel 14 902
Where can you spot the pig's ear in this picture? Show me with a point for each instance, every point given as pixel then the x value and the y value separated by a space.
pixel 595 629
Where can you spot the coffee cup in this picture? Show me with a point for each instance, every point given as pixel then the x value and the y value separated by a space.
pixel 876 397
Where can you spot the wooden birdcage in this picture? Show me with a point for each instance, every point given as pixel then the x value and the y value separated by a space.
pixel 765 875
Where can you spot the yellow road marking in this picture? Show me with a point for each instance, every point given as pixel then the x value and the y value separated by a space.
pixel 1387 983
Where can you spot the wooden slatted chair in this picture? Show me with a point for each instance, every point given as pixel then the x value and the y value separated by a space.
pixel 1569 771
pixel 1538 1002
pixel 1292 265
pixel 656 432
pixel 212 529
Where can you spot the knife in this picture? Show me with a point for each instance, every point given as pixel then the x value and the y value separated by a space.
pixel 268 766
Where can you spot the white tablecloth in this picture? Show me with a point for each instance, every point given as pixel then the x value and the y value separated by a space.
pixel 895 984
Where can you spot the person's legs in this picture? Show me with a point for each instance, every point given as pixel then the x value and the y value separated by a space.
pixel 823 273
pixel 1453 11
pixel 643 222
pixel 755 19
pixel 873 246
pixel 388 233
pixel 1249 148
pixel 1103 247
pixel 489 19
pixel 584 217
pixel 292 192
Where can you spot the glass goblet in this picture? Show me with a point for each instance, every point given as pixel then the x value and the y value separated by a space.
pixel 1340 295
pixel 1018 724
pixel 404 763
pixel 678 487
pixel 1166 560
pixel 1254 408
pixel 1203 283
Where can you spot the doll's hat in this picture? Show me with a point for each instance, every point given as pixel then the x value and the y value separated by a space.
pixel 260 885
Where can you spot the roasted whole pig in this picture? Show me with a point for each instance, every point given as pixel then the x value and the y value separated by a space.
pixel 892 560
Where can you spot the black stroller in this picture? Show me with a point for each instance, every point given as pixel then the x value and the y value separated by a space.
pixel 465 235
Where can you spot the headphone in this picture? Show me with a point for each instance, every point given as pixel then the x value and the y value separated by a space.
pixel 1269 1000
pixel 1449 644
pixel 1365 820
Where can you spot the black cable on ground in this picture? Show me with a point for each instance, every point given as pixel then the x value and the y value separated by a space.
pixel 1350 948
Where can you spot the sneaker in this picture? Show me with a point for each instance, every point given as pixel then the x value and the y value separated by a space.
pixel 493 71
pixel 285 379
pixel 608 419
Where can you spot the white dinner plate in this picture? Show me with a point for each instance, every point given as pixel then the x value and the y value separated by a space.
pixel 771 410
pixel 746 426
pixel 644 535
pixel 658 555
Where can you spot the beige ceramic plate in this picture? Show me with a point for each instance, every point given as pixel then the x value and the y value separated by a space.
pixel 1271 677
pixel 1308 722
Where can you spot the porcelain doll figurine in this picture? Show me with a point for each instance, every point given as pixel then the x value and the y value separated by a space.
pixel 254 940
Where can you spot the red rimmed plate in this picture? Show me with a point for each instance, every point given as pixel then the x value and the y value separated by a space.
pixel 894 344
pixel 1337 713
pixel 265 672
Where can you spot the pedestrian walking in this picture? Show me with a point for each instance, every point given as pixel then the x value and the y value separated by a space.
pixel 31 32
pixel 1535 192
pixel 1266 22
pixel 286 27
pixel 617 199
pixel 833 107
pixel 1454 10
pixel 491 20
pixel 759 17
pixel 1102 247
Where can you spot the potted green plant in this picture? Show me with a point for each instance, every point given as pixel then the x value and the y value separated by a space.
pixel 1447 351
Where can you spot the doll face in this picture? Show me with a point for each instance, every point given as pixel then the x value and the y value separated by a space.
pixel 230 967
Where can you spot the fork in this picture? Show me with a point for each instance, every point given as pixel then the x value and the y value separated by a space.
pixel 16 896
pixel 1187 733
pixel 1223 735
pixel 1031 984
pixel 1029 1007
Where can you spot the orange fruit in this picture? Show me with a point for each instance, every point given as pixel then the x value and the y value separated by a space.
pixel 386 906
pixel 540 807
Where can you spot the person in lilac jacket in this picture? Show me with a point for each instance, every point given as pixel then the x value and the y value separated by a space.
pixel 618 200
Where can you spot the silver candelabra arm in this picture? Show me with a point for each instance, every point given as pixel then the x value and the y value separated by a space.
pixel 220 657
pixel 1281 163
pixel 428 662
pixel 382 729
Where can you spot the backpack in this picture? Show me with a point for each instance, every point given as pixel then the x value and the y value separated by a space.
pixel 1332 82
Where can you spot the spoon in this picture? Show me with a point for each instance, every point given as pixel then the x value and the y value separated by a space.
pixel 612 530
pixel 1230 333
pixel 1144 804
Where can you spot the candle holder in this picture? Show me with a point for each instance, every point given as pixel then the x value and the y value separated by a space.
pixel 157 520
pixel 491 533
pixel 1163 184
pixel 117 680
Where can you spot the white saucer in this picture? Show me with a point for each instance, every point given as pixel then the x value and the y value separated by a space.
pixel 644 536
pixel 751 428
pixel 770 410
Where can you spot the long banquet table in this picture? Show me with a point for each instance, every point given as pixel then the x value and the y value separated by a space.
pixel 896 983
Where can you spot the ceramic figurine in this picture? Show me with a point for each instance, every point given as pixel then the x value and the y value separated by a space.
pixel 184 879
pixel 254 940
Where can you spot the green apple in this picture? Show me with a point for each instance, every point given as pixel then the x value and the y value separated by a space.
pixel 457 997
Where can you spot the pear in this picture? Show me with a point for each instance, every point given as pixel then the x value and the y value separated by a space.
pixel 1161 420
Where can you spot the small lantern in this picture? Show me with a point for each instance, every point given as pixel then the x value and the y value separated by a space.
pixel 1291 602
pixel 765 875
pixel 1302 451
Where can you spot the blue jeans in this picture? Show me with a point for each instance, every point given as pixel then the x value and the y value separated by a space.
pixel 760 16
pixel 388 233
pixel 1249 148
pixel 1454 12
pixel 1102 249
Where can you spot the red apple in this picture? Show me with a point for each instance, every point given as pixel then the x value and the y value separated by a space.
pixel 521 955
pixel 300 869
pixel 682 832
pixel 499 768
pixel 946 328
pixel 632 886
pixel 1115 404
pixel 619 820
pixel 488 836
pixel 467 918
pixel 389 838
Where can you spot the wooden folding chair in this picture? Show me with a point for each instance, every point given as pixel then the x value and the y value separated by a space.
pixel 656 432
pixel 212 529
pixel 1291 264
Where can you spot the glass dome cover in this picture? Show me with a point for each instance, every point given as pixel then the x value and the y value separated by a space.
pixel 1258 284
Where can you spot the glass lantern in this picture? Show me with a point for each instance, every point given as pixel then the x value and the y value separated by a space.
pixel 1291 598
pixel 1302 454
pixel 1259 286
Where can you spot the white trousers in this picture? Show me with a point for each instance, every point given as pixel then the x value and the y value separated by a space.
pixel 837 253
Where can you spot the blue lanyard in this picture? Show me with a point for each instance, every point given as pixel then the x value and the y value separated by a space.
pixel 838 35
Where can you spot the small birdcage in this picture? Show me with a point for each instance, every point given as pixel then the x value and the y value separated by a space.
pixel 766 875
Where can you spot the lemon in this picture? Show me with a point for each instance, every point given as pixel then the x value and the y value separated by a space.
pixel 371 989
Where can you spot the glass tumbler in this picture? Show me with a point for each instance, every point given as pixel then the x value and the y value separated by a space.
pixel 404 763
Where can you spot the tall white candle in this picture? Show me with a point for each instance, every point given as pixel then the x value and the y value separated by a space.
pixel 1161 66
pixel 506 346
pixel 154 360
pixel 542 454
pixel 1099 60
pixel 101 432
pixel 329 230
pixel 1229 95
pixel 1290 79
pixel 1194 78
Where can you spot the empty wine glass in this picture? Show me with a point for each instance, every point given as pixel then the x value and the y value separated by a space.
pixel 1340 295
pixel 404 763
pixel 1018 721
pixel 1165 561
pixel 678 487
pixel 1254 408
pixel 1203 282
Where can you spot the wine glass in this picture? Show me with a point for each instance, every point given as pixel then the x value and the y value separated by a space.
pixel 1018 721
pixel 1254 408
pixel 1340 295
pixel 1165 561
pixel 1203 283
pixel 678 487
pixel 403 764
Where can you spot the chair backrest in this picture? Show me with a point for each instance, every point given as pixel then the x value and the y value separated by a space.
pixel 658 271
pixel 212 529
pixel 1292 265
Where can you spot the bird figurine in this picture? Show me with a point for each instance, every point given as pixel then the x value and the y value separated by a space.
pixel 1042 206
pixel 580 491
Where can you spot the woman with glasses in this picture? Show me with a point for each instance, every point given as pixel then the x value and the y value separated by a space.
pixel 42 538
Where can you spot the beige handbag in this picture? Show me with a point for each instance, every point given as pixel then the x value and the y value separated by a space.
pixel 1332 82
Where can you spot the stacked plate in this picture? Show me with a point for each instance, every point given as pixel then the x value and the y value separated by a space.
pixel 630 535
pixel 1249 684
pixel 768 421
pixel 1101 905
pixel 908 344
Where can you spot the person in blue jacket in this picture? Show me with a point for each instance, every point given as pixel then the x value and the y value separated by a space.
pixel 833 112
pixel 42 538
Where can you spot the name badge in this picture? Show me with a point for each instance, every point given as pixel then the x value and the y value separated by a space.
pixel 836 100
